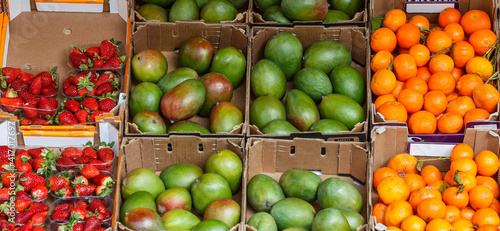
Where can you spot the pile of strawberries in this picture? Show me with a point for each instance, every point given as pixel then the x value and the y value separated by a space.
pixel 84 110
pixel 39 160
pixel 99 156
pixel 91 83
pixel 88 182
pixel 92 212
pixel 44 83
pixel 29 216
pixel 103 57
pixel 29 184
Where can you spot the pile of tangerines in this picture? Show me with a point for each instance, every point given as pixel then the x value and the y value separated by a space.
pixel 466 198
pixel 437 79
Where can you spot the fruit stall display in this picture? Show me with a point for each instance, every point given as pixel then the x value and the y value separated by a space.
pixel 291 62
pixel 219 11
pixel 447 188
pixel 197 185
pixel 186 92
pixel 286 12
pixel 435 75
pixel 279 180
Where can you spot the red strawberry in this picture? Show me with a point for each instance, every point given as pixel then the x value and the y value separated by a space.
pixel 66 118
pixel 98 163
pixel 19 85
pixel 93 51
pixel 48 107
pixel 4 194
pixel 4 166
pixel 103 179
pixel 29 180
pixel 82 92
pixel 36 86
pixel 48 77
pixel 7 226
pixel 108 215
pixel 26 77
pixel 90 152
pixel 39 192
pixel 84 190
pixel 114 62
pixel 25 121
pixel 92 223
pixel 40 121
pixel 60 215
pixel 82 160
pixel 97 206
pixel 35 152
pixel 23 195
pixel 62 207
pixel 102 190
pixel 79 61
pixel 71 152
pixel 71 91
pixel 8 177
pixel 65 192
pixel 91 104
pixel 107 104
pixel 106 77
pixel 108 48
pixel 39 218
pixel 77 50
pixel 72 105
pixel 98 62
pixel 106 155
pixel 78 227
pixel 43 166
pixel 5 153
pixel 104 89
pixel 64 163
pixel 80 180
pixel 82 116
pixel 22 165
pixel 28 98
pixel 49 91
pixel 95 114
pixel 75 79
pixel 91 75
pixel 22 204
pixel 67 83
pixel 9 74
pixel 57 182
pixel 39 207
pixel 30 111
pixel 11 104
pixel 38 228
pixel 23 217
pixel 90 171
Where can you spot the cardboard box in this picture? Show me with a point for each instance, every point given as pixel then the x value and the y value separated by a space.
pixel 158 153
pixel 348 161
pixel 388 141
pixel 359 19
pixel 168 38
pixel 354 38
pixel 380 7
pixel 241 17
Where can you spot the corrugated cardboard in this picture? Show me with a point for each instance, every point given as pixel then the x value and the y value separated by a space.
pixel 344 160
pixel 391 140
pixel 256 19
pixel 380 7
pixel 168 38
pixel 158 153
pixel 354 38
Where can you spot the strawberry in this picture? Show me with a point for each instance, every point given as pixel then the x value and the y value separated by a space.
pixel 106 77
pixel 9 74
pixel 103 179
pixel 60 215
pixel 26 77
pixel 78 227
pixel 79 213
pixel 84 190
pixel 90 171
pixel 80 180
pixel 72 105
pixel 75 79
pixel 49 91
pixel 71 91
pixel 84 91
pixel 23 195
pixel 71 152
pixel 90 152
pixel 40 121
pixel 114 62
pixel 29 180
pixel 98 62
pixel 82 160
pixel 36 86
pixel 92 52
pixel 104 89
pixel 57 182
pixel 102 190
pixel 64 163
pixel 23 153
pixel 4 166
pixel 67 83
pixel 35 152
pixel 48 107
pixel 19 85
pixel 90 103
pixel 98 163
pixel 48 77
pixel 97 206
pixel 11 104
pixel 62 207
pixel 39 218
pixel 38 228
pixel 5 153
pixel 95 114
pixel 21 165
pixel 80 61
pixel 106 154
pixel 107 104
pixel 8 177
pixel 25 121
pixel 7 226
pixel 23 217
pixel 30 111
pixel 43 166
pixel 77 50
pixel 22 204
pixel 92 223
pixel 64 192
pixel 39 192
pixel 85 82
pixel 91 75
pixel 66 118
pixel 108 48
pixel 82 116
pixel 38 207
pixel 4 194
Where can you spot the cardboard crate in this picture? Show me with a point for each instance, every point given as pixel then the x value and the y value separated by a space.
pixel 241 17
pixel 168 38
pixel 354 38
pixel 388 141
pixel 38 38
pixel 380 7
pixel 347 161
pixel 359 19
pixel 158 153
